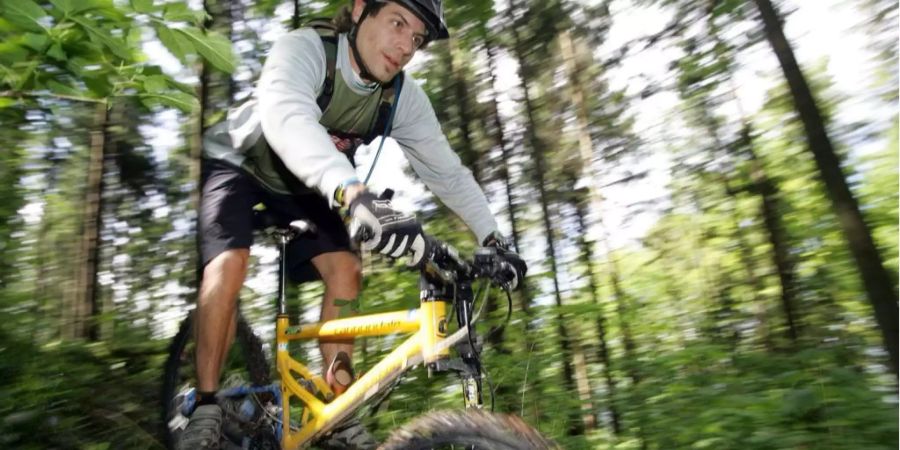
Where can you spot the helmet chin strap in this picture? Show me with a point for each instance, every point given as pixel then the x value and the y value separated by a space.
pixel 363 69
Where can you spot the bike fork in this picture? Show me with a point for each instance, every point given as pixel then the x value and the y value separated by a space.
pixel 469 350
pixel 468 365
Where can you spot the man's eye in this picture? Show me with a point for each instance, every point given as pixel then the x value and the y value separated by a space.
pixel 418 41
pixel 396 23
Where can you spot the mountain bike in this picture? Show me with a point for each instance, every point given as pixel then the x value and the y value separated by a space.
pixel 300 409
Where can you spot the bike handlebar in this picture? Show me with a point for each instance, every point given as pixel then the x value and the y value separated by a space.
pixel 443 261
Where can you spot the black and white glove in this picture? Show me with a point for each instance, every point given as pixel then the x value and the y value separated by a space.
pixel 516 275
pixel 386 230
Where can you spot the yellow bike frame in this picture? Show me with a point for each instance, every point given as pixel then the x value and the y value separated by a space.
pixel 428 342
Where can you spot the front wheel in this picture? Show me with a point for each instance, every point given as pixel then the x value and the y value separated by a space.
pixel 472 429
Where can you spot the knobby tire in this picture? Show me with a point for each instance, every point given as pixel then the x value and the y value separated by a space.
pixel 467 429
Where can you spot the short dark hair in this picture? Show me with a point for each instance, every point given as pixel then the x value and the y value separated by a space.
pixel 343 21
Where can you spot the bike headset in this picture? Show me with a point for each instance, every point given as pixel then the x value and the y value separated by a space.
pixel 431 13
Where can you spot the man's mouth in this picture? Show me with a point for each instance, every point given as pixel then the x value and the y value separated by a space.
pixel 391 61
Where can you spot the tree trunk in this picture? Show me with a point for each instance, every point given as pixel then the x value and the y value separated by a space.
pixel 585 255
pixel 584 389
pixel 463 110
pixel 770 210
pixel 750 271
pixel 295 17
pixel 501 142
pixel 215 90
pixel 586 153
pixel 585 146
pixel 880 286
pixel 537 153
pixel 525 294
pixel 220 15
pixel 777 233
pixel 84 303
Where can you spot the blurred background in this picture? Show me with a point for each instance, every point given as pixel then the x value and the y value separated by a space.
pixel 706 194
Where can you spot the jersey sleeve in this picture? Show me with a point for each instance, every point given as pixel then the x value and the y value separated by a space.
pixel 291 78
pixel 419 134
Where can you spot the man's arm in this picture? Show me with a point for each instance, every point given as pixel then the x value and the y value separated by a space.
pixel 291 78
pixel 423 142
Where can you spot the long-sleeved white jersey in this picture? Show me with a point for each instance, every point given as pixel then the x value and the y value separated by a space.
pixel 284 110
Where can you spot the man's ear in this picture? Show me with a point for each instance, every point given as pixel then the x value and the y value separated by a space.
pixel 358 6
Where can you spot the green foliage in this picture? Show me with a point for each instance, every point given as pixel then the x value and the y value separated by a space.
pixel 71 395
pixel 90 50
pixel 697 350
pixel 704 396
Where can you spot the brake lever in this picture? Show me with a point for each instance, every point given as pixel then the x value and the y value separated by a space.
pixel 360 233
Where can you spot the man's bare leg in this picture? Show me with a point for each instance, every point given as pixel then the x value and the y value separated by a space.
pixel 216 314
pixel 342 274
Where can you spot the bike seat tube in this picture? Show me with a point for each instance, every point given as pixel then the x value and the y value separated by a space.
pixel 282 273
pixel 433 320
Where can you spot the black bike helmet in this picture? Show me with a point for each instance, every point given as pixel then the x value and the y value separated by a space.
pixel 430 12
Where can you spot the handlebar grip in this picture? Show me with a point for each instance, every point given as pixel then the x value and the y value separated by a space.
pixel 361 233
pixel 506 274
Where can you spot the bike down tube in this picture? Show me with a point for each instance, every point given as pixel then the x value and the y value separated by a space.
pixel 431 325
pixel 359 326
pixel 382 375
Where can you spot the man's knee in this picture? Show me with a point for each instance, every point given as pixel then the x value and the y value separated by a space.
pixel 339 269
pixel 229 265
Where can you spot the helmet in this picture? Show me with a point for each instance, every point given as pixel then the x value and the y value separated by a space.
pixel 430 12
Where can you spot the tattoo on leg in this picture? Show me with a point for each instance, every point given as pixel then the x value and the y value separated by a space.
pixel 348 307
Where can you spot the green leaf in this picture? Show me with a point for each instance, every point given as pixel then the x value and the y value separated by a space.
pixel 180 100
pixel 134 38
pixel 155 84
pixel 56 52
pixel 105 8
pixel 177 44
pixel 24 13
pixel 183 87
pixel 149 102
pixel 178 12
pixel 6 102
pixel 98 84
pixel 151 70
pixel 37 42
pixel 66 6
pixel 214 48
pixel 142 6
pixel 348 308
pixel 27 76
pixel 115 45
pixel 63 89
pixel 10 53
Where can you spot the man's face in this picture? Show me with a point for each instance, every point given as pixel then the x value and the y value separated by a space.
pixel 388 40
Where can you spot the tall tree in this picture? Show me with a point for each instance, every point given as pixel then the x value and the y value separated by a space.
pixel 515 13
pixel 880 286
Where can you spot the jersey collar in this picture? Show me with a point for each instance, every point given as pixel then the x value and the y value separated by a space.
pixel 356 83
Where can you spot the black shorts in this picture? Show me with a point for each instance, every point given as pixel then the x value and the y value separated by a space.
pixel 227 218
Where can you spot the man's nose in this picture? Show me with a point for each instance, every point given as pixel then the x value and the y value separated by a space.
pixel 405 44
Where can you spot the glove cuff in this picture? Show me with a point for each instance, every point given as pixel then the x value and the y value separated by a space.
pixel 497 240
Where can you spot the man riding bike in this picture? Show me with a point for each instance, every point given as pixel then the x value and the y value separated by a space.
pixel 322 92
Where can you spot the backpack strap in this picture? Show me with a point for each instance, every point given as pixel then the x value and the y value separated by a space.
pixel 383 125
pixel 329 36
